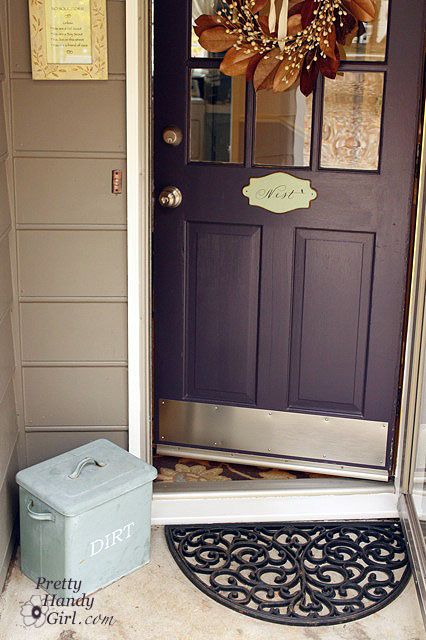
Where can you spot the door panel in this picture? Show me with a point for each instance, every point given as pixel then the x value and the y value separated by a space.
pixel 299 313
pixel 223 292
pixel 332 293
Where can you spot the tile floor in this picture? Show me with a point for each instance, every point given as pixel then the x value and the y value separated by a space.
pixel 159 603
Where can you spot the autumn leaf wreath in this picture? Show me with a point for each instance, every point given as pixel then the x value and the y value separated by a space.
pixel 277 48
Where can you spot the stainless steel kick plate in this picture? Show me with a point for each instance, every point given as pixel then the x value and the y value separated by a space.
pixel 322 438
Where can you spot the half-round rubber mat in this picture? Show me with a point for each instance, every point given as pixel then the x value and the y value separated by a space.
pixel 307 574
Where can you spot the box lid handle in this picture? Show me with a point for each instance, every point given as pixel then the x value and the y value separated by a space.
pixel 79 468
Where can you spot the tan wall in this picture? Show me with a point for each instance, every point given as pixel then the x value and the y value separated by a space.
pixel 71 247
pixel 8 422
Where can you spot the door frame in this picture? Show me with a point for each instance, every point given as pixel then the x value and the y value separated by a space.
pixel 139 181
pixel 412 397
pixel 251 500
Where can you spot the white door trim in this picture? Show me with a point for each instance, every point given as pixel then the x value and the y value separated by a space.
pixel 206 506
pixel 138 111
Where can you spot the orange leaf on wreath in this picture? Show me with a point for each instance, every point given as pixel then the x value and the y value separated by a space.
pixel 349 24
pixel 258 6
pixel 329 48
pixel 207 22
pixel 264 25
pixel 285 78
pixel 265 70
pixel 307 12
pixel 364 10
pixel 252 65
pixel 342 51
pixel 294 24
pixel 329 66
pixel 309 74
pixel 217 39
pixel 236 61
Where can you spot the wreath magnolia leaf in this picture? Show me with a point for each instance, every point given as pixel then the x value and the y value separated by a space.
pixel 206 22
pixel 329 66
pixel 258 6
pixel 252 66
pixel 308 76
pixel 236 62
pixel 217 39
pixel 265 71
pixel 328 45
pixel 364 10
pixel 294 24
pixel 307 12
pixel 316 33
pixel 263 24
pixel 283 80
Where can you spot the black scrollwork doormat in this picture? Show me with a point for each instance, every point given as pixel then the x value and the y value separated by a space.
pixel 307 574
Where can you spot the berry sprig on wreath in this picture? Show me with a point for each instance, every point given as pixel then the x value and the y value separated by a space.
pixel 306 39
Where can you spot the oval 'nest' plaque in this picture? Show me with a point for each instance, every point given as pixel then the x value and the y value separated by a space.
pixel 307 574
pixel 280 192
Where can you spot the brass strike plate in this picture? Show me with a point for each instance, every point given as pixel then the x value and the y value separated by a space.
pixel 117 182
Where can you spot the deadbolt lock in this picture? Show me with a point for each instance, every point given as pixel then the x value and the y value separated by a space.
pixel 172 135
pixel 170 197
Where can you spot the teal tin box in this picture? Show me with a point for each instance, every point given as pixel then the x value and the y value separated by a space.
pixel 85 518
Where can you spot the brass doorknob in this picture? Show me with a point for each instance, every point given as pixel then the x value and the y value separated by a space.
pixel 170 197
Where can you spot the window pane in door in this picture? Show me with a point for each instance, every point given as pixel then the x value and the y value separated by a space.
pixel 200 7
pixel 283 129
pixel 371 45
pixel 351 124
pixel 217 117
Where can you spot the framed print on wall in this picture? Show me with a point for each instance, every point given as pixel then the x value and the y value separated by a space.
pixel 68 39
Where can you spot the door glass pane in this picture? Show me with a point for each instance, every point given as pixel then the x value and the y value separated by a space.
pixel 217 117
pixel 200 7
pixel 351 126
pixel 283 128
pixel 371 45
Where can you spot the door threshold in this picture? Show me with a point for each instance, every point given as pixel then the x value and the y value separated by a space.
pixel 272 501
pixel 290 487
pixel 288 464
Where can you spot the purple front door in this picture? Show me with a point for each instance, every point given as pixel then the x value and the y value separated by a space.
pixel 280 335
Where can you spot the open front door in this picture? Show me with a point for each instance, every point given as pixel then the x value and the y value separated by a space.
pixel 278 336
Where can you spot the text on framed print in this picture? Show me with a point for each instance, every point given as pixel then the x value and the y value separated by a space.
pixel 69 39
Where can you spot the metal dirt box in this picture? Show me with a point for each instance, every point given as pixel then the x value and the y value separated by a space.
pixel 85 516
